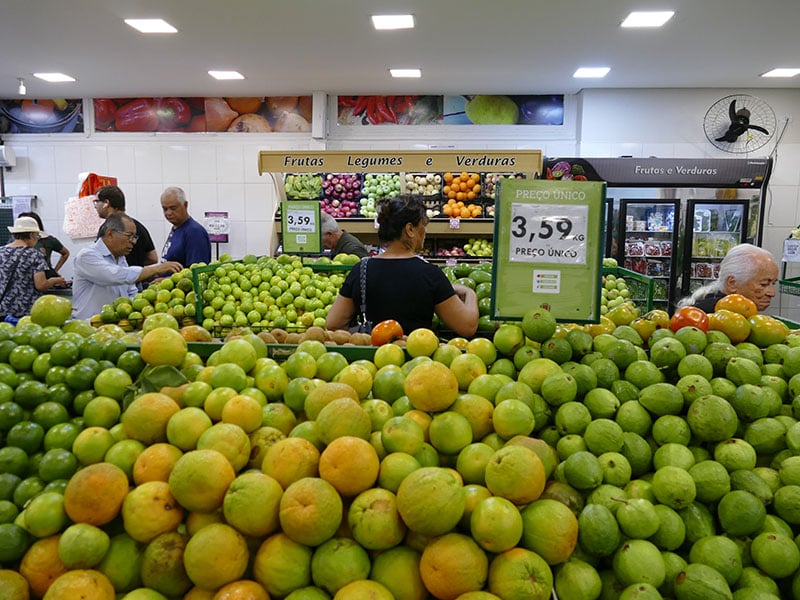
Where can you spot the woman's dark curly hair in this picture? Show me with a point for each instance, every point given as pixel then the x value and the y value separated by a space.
pixel 394 213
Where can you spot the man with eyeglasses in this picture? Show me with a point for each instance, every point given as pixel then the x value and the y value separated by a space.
pixel 102 273
pixel 110 199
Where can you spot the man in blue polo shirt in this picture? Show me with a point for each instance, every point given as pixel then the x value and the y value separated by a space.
pixel 188 242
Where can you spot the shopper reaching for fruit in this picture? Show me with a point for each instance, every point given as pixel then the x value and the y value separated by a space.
pixel 747 270
pixel 22 270
pixel 399 284
pixel 101 272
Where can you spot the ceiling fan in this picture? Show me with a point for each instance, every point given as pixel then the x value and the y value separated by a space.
pixel 739 123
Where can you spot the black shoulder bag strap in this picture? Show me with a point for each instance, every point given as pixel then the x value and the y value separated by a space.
pixel 363 279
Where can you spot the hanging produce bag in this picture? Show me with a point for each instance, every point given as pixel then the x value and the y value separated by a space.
pixel 81 220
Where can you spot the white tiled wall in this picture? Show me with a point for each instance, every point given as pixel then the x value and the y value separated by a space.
pixel 219 172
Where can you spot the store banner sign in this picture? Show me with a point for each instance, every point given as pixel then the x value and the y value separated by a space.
pixel 548 249
pixel 199 115
pixel 472 109
pixel 39 115
pixel 301 228
pixel 662 172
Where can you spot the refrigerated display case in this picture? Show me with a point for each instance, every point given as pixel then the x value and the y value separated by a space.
pixel 648 239
pixel 726 182
pixel 712 228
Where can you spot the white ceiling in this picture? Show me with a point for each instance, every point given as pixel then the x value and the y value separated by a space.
pixel 295 47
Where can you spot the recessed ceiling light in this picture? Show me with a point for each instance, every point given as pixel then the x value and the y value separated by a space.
pixel 393 21
pixel 647 18
pixel 54 77
pixel 781 72
pixel 405 72
pixel 589 72
pixel 226 74
pixel 151 25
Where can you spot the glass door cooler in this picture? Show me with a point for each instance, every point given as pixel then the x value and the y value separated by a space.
pixel 712 228
pixel 648 244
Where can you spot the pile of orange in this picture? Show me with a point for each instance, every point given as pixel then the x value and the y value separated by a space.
pixel 465 186
pixel 458 189
pixel 459 210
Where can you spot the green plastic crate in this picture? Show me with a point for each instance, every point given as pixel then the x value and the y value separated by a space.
pixel 642 287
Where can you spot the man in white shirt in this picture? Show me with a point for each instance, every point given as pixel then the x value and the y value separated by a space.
pixel 101 272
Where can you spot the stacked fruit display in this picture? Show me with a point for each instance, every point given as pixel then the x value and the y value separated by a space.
pixel 341 194
pixel 479 247
pixel 638 462
pixel 303 186
pixel 490 181
pixel 264 293
pixel 423 184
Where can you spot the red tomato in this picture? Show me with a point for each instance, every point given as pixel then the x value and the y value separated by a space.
pixel 386 332
pixel 689 316
pixel 738 304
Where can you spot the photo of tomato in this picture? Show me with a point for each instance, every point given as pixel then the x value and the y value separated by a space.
pixel 689 316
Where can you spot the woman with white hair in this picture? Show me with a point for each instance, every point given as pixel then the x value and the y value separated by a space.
pixel 22 270
pixel 747 270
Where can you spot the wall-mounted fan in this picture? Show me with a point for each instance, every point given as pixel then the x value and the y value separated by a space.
pixel 739 123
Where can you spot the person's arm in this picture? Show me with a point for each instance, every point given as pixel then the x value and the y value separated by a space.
pixel 340 314
pixel 460 311
pixel 64 252
pixel 43 284
pixel 159 269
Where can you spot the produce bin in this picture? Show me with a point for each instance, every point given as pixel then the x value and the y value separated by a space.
pixel 642 287
pixel 788 301
pixel 281 352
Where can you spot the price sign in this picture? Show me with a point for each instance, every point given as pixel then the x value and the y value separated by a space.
pixel 300 227
pixel 218 226
pixel 548 250
pixel 548 233
pixel 300 221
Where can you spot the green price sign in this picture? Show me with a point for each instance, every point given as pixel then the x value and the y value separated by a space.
pixel 548 250
pixel 300 227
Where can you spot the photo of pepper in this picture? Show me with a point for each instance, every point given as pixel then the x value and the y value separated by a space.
pixel 39 115
pixel 389 110
pixel 237 115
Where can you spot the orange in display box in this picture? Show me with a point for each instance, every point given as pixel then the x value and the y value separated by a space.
pixel 461 186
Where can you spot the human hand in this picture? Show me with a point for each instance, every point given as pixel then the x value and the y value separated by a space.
pixel 57 282
pixel 170 267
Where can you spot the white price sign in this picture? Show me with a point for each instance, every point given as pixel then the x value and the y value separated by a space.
pixel 300 221
pixel 548 233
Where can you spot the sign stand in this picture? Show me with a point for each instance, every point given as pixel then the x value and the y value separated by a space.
pixel 548 249
pixel 301 227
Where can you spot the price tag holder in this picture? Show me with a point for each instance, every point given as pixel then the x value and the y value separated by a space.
pixel 300 227
pixel 455 223
pixel 548 249
pixel 791 250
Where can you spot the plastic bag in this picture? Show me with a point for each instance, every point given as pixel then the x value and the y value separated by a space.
pixel 81 220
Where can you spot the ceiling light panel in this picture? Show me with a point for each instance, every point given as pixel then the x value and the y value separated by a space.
pixel 405 72
pixel 383 22
pixel 54 77
pixel 781 72
pixel 647 18
pixel 151 25
pixel 591 72
pixel 225 75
